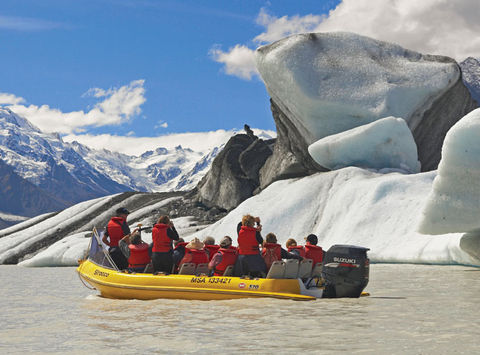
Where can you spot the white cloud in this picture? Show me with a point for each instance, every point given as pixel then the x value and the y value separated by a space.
pixel 201 141
pixel 277 28
pixel 119 106
pixel 197 141
pixel 430 26
pixel 239 61
pixel 161 124
pixel 10 99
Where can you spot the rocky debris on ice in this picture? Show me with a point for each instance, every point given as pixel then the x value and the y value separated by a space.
pixel 26 239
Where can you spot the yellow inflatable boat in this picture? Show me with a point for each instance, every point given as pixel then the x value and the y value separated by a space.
pixel 116 284
pixel 99 271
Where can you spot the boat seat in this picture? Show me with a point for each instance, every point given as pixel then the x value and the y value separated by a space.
pixel 277 270
pixel 228 271
pixel 202 269
pixel 317 270
pixel 305 268
pixel 291 269
pixel 187 269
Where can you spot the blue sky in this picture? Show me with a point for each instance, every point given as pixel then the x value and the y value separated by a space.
pixel 55 51
pixel 145 68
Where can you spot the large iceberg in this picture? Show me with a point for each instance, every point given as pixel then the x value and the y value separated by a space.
pixel 386 143
pixel 327 83
pixel 332 82
pixel 454 204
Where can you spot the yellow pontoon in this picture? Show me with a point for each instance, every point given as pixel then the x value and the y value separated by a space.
pixel 116 284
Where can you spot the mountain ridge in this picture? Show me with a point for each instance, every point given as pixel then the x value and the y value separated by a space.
pixel 70 172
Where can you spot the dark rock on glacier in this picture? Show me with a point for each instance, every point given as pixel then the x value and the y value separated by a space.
pixel 443 113
pixel 290 157
pixel 234 174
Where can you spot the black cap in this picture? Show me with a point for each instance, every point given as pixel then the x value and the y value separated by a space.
pixel 312 239
pixel 122 210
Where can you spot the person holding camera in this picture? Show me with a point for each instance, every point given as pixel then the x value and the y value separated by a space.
pixel 116 229
pixel 249 261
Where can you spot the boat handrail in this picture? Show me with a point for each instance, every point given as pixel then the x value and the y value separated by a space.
pixel 97 240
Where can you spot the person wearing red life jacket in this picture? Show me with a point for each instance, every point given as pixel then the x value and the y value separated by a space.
pixel 136 251
pixel 225 257
pixel 194 253
pixel 312 250
pixel 293 248
pixel 272 251
pixel 163 233
pixel 210 247
pixel 249 261
pixel 117 228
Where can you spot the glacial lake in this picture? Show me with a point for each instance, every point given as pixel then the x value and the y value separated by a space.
pixel 412 309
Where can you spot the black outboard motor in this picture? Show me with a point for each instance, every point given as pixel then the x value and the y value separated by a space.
pixel 345 270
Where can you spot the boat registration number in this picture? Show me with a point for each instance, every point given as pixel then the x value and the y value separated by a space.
pixel 211 280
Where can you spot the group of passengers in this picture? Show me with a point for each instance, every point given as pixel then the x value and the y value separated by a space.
pixel 168 252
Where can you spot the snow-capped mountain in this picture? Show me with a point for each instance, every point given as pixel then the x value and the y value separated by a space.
pixel 153 171
pixel 471 76
pixel 47 162
pixel 72 172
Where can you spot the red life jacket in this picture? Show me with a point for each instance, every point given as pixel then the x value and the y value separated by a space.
pixel 180 244
pixel 161 242
pixel 299 248
pixel 212 250
pixel 229 256
pixel 314 252
pixel 138 255
pixel 247 242
pixel 194 256
pixel 271 252
pixel 115 231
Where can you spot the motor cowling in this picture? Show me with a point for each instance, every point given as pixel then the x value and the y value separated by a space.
pixel 345 271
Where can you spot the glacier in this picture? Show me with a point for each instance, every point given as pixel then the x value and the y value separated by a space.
pixel 385 143
pixel 377 210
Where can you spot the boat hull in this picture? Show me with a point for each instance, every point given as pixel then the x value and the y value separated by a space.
pixel 115 284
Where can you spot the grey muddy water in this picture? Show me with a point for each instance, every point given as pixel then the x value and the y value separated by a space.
pixel 413 309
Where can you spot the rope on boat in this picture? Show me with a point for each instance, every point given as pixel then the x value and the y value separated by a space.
pixel 84 284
